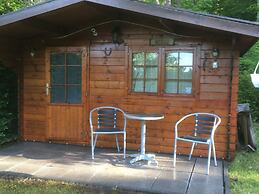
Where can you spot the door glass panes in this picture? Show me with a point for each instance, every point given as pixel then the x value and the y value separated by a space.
pixel 58 94
pixel 178 72
pixel 145 72
pixel 66 77
pixel 74 59
pixel 74 74
pixel 74 94
pixel 57 58
pixel 58 74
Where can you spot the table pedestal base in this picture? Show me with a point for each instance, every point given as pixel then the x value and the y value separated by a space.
pixel 148 157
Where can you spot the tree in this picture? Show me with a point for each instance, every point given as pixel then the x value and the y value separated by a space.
pixel 13 5
pixel 243 9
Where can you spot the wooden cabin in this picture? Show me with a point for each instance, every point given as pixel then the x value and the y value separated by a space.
pixel 74 55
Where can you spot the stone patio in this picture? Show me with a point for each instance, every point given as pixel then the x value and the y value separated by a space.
pixel 74 164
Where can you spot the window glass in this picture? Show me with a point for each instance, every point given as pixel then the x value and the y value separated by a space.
pixel 185 73
pixel 138 85
pixel 185 87
pixel 144 72
pixel 171 87
pixel 138 59
pixel 186 59
pixel 171 59
pixel 171 73
pixel 151 72
pixel 138 72
pixel 151 86
pixel 151 59
pixel 178 72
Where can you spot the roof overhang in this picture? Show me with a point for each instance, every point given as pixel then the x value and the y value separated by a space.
pixel 63 16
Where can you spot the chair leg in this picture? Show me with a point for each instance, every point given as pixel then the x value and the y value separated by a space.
pixel 190 155
pixel 95 140
pixel 117 143
pixel 92 145
pixel 214 154
pixel 209 155
pixel 175 147
pixel 124 146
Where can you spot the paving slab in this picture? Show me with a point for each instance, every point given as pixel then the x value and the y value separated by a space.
pixel 109 169
pixel 202 183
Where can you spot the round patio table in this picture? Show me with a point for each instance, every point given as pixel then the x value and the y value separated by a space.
pixel 143 117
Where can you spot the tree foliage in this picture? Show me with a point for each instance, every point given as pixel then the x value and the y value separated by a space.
pixel 242 9
pixel 13 5
pixel 8 104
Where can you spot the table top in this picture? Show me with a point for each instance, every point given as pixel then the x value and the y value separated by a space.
pixel 144 116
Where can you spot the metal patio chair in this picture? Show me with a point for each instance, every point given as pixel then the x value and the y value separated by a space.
pixel 205 125
pixel 107 123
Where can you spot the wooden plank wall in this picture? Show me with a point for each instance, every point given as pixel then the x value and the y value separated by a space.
pixel 108 86
pixel 34 98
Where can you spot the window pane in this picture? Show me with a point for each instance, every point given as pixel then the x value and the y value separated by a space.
pixel 171 87
pixel 57 58
pixel 74 75
pixel 74 59
pixel 171 73
pixel 138 59
pixel 185 73
pixel 185 87
pixel 152 59
pixel 151 72
pixel 74 94
pixel 138 86
pixel 58 74
pixel 186 59
pixel 151 86
pixel 138 72
pixel 58 94
pixel 171 59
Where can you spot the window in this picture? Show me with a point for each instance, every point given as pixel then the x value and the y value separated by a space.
pixel 66 76
pixel 178 72
pixel 172 75
pixel 145 72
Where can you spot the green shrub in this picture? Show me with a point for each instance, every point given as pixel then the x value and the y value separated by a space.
pixel 8 105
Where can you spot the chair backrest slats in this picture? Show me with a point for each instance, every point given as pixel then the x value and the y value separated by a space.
pixel 205 118
pixel 107 118
pixel 204 124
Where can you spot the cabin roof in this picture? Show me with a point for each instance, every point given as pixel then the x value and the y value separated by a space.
pixel 60 15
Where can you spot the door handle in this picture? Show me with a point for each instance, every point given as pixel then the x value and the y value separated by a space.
pixel 47 89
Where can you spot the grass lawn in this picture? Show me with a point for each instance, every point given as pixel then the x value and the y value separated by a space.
pixel 244 171
pixel 38 186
